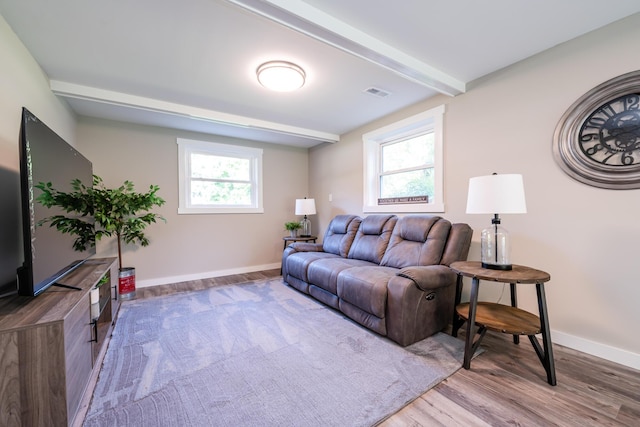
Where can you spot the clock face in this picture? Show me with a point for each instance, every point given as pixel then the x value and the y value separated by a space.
pixel 597 140
pixel 611 134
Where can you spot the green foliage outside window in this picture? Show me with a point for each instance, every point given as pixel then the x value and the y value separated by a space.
pixel 220 180
pixel 407 167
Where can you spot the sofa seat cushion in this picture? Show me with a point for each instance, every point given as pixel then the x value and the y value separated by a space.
pixel 298 263
pixel 323 273
pixel 366 288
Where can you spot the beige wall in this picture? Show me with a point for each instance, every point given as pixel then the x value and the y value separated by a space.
pixel 22 84
pixel 194 246
pixel 586 238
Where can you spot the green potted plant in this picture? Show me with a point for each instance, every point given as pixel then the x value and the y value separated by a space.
pixel 292 227
pixel 98 211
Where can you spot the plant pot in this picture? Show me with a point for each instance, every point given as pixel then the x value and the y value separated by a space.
pixel 294 233
pixel 127 283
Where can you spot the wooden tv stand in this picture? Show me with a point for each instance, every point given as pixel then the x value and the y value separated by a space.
pixel 51 346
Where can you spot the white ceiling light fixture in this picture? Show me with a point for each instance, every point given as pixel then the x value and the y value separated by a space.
pixel 281 76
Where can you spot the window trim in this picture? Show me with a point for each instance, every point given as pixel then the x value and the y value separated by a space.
pixel 188 146
pixel 420 123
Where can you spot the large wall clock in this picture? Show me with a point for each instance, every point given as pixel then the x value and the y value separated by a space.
pixel 597 140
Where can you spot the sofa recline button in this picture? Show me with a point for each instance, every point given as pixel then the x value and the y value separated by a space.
pixel 430 296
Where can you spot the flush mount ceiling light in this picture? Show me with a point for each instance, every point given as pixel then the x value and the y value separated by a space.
pixel 280 76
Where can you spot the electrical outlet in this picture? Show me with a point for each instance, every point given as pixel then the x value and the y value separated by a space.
pixel 330 197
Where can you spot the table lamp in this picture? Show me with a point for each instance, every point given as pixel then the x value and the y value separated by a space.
pixel 305 207
pixel 496 194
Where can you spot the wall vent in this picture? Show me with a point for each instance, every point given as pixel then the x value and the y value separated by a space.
pixel 377 92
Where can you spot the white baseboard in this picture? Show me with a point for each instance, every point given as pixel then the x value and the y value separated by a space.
pixel 204 275
pixel 613 354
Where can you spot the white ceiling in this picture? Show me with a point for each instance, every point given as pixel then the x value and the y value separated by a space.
pixel 190 64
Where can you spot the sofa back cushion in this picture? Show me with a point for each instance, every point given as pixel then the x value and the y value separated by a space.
pixel 417 240
pixel 372 238
pixel 340 234
pixel 458 244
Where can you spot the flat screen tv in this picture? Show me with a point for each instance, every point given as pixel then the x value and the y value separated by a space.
pixel 46 157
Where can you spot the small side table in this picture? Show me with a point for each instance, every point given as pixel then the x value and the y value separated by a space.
pixel 288 240
pixel 503 318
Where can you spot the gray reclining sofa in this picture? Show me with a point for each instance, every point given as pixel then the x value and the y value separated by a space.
pixel 387 273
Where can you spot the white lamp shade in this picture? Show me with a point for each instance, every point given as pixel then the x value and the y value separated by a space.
pixel 496 194
pixel 305 207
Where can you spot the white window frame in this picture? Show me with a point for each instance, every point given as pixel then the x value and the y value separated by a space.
pixel 430 120
pixel 186 147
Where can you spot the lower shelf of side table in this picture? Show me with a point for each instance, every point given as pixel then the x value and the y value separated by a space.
pixel 502 318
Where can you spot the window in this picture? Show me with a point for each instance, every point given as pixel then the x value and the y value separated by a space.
pixel 219 178
pixel 403 167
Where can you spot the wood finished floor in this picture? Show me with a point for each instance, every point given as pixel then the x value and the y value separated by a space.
pixel 506 385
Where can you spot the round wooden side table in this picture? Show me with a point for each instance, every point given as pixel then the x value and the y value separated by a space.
pixel 503 318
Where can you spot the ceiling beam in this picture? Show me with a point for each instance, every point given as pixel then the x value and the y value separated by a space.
pixel 71 90
pixel 302 17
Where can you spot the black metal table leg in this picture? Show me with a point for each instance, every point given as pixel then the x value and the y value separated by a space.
pixel 457 321
pixel 471 323
pixel 548 362
pixel 514 303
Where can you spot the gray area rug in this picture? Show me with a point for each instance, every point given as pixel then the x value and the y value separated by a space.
pixel 257 354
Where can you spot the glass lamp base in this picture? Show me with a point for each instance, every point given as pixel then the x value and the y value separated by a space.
pixel 305 227
pixel 495 248
pixel 503 267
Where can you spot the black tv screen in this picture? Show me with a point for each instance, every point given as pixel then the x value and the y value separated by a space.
pixel 46 157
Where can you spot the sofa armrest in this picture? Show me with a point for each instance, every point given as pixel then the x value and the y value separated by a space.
pixel 306 247
pixel 429 277
pixel 294 248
